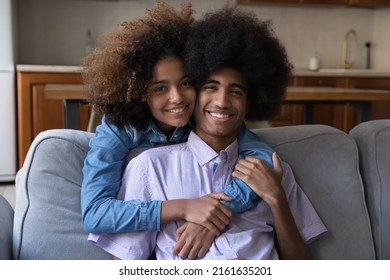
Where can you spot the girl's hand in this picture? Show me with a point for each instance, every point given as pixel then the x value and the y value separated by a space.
pixel 263 180
pixel 209 212
pixel 193 241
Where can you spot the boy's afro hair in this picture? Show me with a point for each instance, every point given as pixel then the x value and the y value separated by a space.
pixel 234 38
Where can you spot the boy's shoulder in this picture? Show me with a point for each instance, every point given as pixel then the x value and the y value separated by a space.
pixel 163 150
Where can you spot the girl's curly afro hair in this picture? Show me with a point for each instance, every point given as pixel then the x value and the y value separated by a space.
pixel 116 74
pixel 234 38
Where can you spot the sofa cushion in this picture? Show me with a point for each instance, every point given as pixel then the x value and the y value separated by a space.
pixel 48 221
pixel 373 140
pixel 6 224
pixel 325 163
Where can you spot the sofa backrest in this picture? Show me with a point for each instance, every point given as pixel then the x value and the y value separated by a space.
pixel 48 221
pixel 325 163
pixel 373 140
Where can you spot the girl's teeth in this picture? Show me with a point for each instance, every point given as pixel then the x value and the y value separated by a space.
pixel 176 110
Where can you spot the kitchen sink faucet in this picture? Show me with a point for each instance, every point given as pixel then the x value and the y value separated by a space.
pixel 345 55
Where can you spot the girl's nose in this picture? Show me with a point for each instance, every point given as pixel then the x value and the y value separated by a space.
pixel 176 96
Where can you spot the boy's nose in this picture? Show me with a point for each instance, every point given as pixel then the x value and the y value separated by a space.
pixel 221 98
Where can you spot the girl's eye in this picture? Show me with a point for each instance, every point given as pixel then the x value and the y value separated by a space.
pixel 186 84
pixel 159 89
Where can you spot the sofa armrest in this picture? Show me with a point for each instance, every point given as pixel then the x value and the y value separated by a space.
pixel 373 140
pixel 6 226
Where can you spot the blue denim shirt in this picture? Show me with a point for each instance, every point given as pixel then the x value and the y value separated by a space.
pixel 105 162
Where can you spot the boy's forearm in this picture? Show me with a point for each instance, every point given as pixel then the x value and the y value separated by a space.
pixel 289 242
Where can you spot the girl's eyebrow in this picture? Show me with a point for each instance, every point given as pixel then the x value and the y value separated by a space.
pixel 159 82
pixel 166 81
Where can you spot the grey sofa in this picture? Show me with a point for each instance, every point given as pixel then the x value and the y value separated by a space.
pixel 344 176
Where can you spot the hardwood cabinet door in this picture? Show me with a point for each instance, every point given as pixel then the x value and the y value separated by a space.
pixel 379 109
pixel 37 113
pixel 273 2
pixel 288 115
pixel 46 113
pixel 330 2
pixel 370 3
pixel 49 113
pixel 342 116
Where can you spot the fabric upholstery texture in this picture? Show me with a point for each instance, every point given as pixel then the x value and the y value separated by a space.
pixel 326 165
pixel 47 220
pixel 6 224
pixel 373 140
pixel 47 214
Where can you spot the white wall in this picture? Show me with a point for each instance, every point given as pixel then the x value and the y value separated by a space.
pixel 53 31
pixel 381 39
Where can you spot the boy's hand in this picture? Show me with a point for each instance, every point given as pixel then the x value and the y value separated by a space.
pixel 193 241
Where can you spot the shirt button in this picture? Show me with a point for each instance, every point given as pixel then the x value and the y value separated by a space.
pixel 162 138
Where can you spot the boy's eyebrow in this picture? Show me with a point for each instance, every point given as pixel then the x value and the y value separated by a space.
pixel 240 86
pixel 212 82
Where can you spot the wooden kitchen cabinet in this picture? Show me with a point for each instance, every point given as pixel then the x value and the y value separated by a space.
pixel 37 113
pixel 344 115
pixel 379 109
pixel 352 3
pixel 326 2
pixel 370 3
pixel 257 2
pixel 289 114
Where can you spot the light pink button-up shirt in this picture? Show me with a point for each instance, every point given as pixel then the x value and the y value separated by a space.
pixel 191 170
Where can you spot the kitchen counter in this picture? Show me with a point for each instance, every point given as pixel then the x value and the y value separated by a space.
pixel 324 72
pixel 339 72
pixel 48 68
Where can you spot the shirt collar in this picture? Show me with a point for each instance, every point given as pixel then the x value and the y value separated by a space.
pixel 204 153
pixel 153 127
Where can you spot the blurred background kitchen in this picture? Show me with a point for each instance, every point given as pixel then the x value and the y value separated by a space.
pixel 44 41
pixel 54 31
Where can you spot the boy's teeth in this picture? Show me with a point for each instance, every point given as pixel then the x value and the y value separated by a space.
pixel 219 116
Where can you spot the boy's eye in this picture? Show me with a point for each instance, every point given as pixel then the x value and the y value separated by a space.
pixel 237 92
pixel 210 88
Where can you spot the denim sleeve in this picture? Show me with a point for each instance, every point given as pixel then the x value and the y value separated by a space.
pixel 102 172
pixel 249 144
